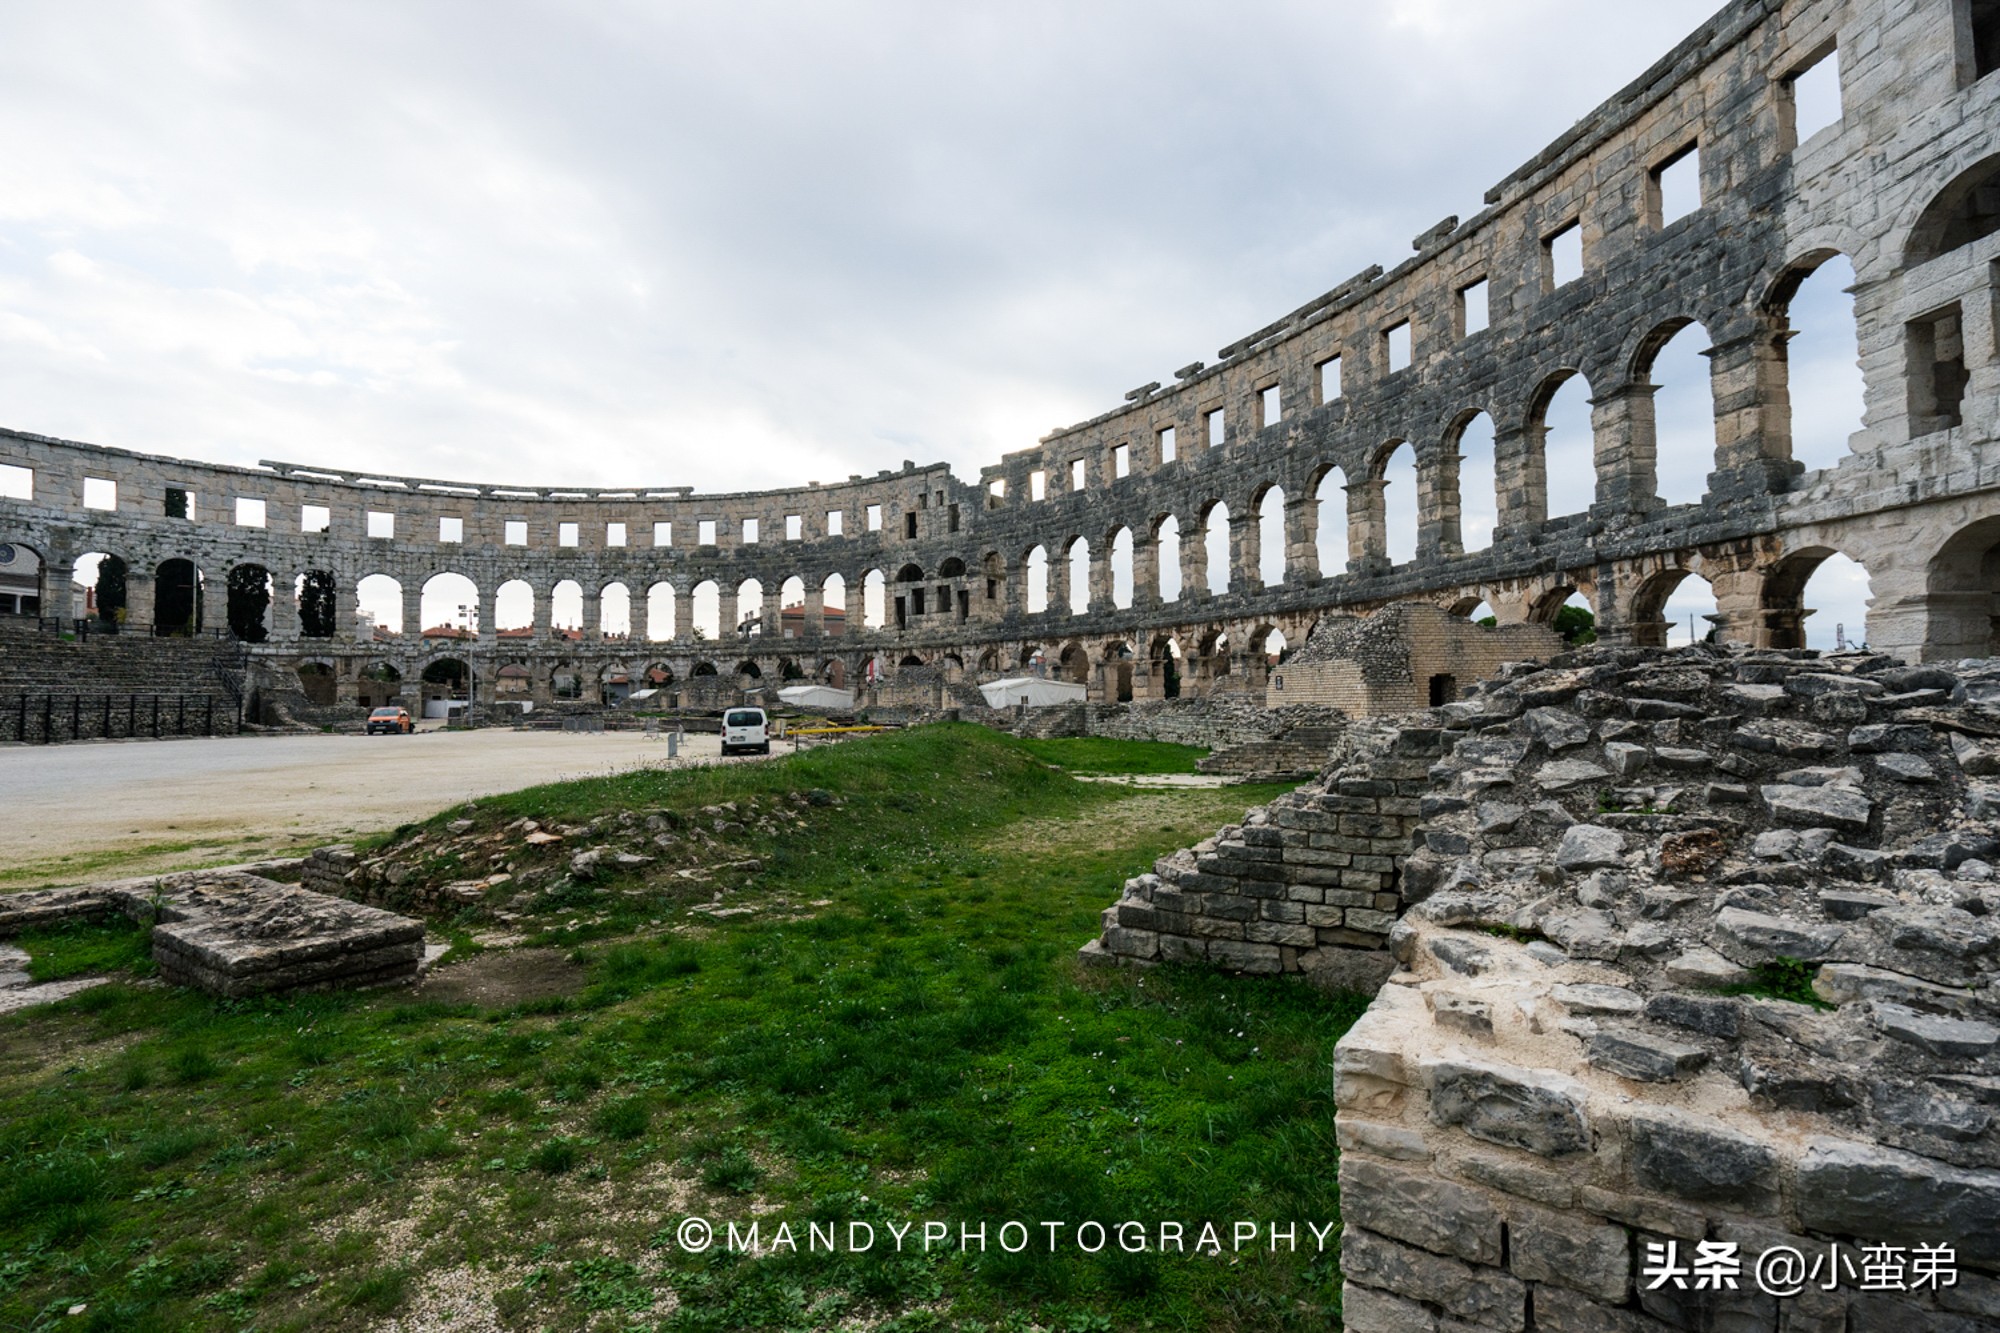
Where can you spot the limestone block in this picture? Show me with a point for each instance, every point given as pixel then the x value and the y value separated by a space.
pixel 1881 1194
pixel 1486 1296
pixel 1702 1160
pixel 1414 1206
pixel 1581 1253
pixel 1535 1110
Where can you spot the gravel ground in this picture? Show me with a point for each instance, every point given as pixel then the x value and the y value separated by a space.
pixel 75 810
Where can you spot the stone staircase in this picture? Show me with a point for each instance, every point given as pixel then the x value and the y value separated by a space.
pixel 55 689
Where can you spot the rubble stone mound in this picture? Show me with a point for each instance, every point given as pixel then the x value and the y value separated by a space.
pixel 234 934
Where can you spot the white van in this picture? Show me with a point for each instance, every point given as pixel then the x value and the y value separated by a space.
pixel 746 731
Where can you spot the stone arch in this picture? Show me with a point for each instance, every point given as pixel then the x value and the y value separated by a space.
pixel 749 619
pixel 1967 209
pixel 1649 622
pixel 1164 653
pixel 1073 663
pixel 514 609
pixel 317 592
pixel 952 568
pixel 705 611
pixel 566 609
pixel 100 579
pixel 1391 523
pixel 910 573
pixel 792 607
pixel 614 611
pixel 749 669
pixel 1559 475
pixel 24 581
pixel 874 599
pixel 565 681
pixel 1962 594
pixel 1167 560
pixel 1785 590
pixel 1672 412
pixel 448 603
pixel 247 590
pixel 1327 485
pixel 178 595
pixel 833 604
pixel 1814 333
pixel 1218 548
pixel 702 668
pixel 660 610
pixel 834 672
pixel 1119 544
pixel 1466 490
pixel 1273 561
pixel 444 676
pixel 1076 554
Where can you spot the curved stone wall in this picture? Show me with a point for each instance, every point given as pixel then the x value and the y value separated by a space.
pixel 1901 186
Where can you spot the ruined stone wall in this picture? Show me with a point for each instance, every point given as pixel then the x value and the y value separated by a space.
pixel 1402 658
pixel 1211 723
pixel 1913 496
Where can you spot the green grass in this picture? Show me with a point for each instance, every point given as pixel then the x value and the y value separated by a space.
pixel 1095 754
pixel 1783 978
pixel 921 1047
pixel 85 948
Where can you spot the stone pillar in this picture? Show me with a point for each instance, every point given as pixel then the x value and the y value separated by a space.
pixel 1627 449
pixel 282 617
pixel 1145 571
pixel 1438 506
pixel 768 616
pixel 1367 526
pixel 1100 578
pixel 1739 607
pixel 1059 583
pixel 413 609
pixel 1246 546
pixel 138 599
pixel 1521 475
pixel 489 624
pixel 812 622
pixel 1302 540
pixel 1753 429
pixel 593 611
pixel 1194 564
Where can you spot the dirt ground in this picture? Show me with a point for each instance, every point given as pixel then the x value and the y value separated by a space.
pixel 77 811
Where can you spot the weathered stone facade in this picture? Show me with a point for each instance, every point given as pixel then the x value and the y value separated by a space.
pixel 1407 656
pixel 1900 185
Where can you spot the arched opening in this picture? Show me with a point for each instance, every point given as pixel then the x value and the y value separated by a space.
pixel 513 681
pixel 98 590
pixel 1038 580
pixel 1965 211
pixel 1962 599
pixel 1673 609
pixel 1398 473
pixel 1213 663
pixel 705 610
pixel 952 568
pixel 566 609
pixel 660 612
pixel 565 682
pixel 1121 568
pixel 1166 656
pixel 1479 613
pixel 318 594
pixel 445 682
pixel 449 606
pixel 248 592
pixel 1275 648
pixel 1568 445
pixel 874 600
pixel 1478 484
pixel 378 684
pixel 833 605
pixel 1215 548
pixel 1079 577
pixel 21 592
pixel 1567 612
pixel 379 606
pixel 909 660
pixel 1167 544
pixel 750 609
pixel 749 670
pixel 177 597
pixel 1674 360
pixel 1118 671
pixel 702 669
pixel 614 684
pixel 792 607
pixel 1330 529
pixel 1271 537
pixel 1817 598
pixel 1075 664
pixel 614 612
pixel 1820 356
pixel 514 609
pixel 318 683
pixel 834 672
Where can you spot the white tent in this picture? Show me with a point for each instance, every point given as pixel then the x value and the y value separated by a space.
pixel 821 698
pixel 1034 691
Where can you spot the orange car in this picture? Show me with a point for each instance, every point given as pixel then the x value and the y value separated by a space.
pixel 391 720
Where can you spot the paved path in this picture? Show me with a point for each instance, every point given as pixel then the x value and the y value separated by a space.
pixel 191 801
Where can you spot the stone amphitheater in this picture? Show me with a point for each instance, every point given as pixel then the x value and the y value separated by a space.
pixel 1682 959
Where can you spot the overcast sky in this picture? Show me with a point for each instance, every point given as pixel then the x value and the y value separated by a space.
pixel 731 246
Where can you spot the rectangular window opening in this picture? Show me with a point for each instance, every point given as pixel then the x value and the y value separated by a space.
pixel 1982 31
pixel 516 533
pixel 179 503
pixel 910 523
pixel 1472 308
pixel 1270 411
pixel 751 531
pixel 1038 485
pixel 381 524
pixel 249 513
pixel 16 482
pixel 1329 379
pixel 1562 256
pixel 569 534
pixel 795 527
pixel 1121 460
pixel 451 529
pixel 1076 474
pixel 874 518
pixel 315 518
pixel 1676 187
pixel 1397 343
pixel 704 532
pixel 997 488
pixel 951 518
pixel 1213 418
pixel 1937 374
pixel 100 493
pixel 1811 97
pixel 1167 448
pixel 835 522
pixel 663 533
pixel 614 534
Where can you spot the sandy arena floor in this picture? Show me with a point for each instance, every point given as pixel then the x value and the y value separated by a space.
pixel 146 805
